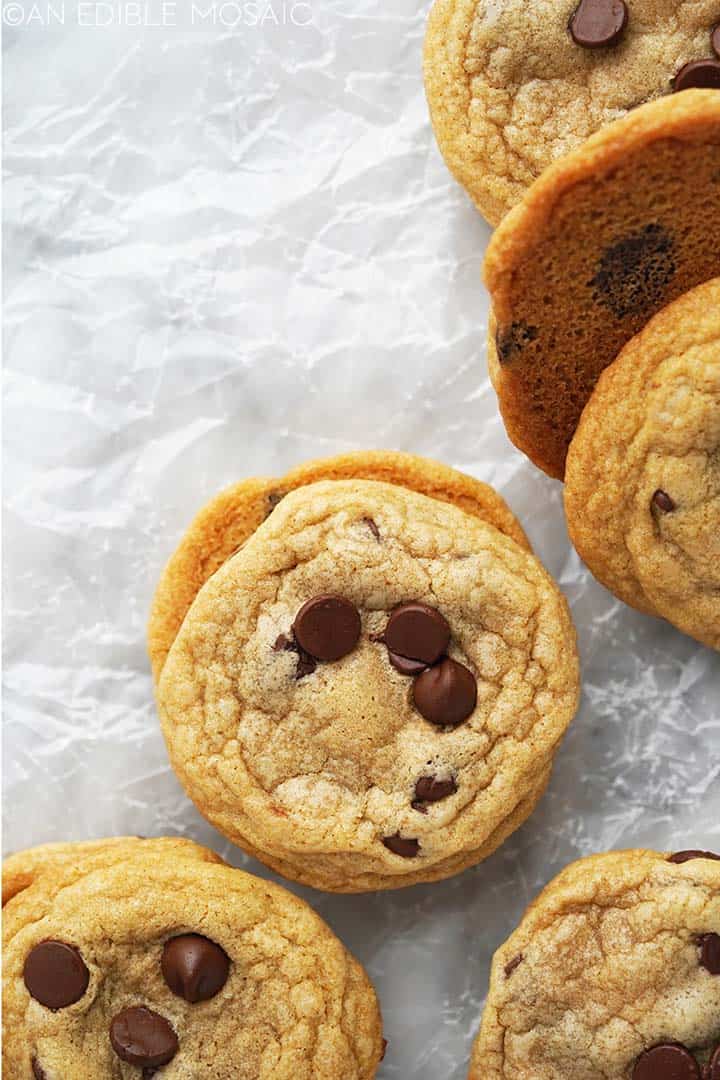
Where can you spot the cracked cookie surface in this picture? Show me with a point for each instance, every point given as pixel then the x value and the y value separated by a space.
pixel 286 1000
pixel 314 767
pixel 231 517
pixel 642 493
pixel 510 91
pixel 608 962
pixel 604 240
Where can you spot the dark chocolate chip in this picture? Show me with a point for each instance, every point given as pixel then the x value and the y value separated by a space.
pixel 284 644
pixel 327 627
pixel 514 963
pixel 402 845
pixel 55 974
pixel 273 499
pixel 194 967
pixel 512 339
pixel 372 526
pixel 597 23
pixel 445 694
pixel 668 1061
pixel 687 856
pixel 633 274
pixel 142 1037
pixel 406 666
pixel 37 1070
pixel 698 74
pixel 662 500
pixel 305 664
pixel 417 631
pixel 713 1069
pixel 710 953
pixel 715 40
pixel 431 789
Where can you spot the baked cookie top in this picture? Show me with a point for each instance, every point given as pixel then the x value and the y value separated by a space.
pixel 513 86
pixel 642 492
pixel 613 974
pixel 603 240
pixel 231 517
pixel 367 690
pixel 137 958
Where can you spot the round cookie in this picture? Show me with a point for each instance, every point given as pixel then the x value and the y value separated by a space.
pixel 642 491
pixel 603 240
pixel 613 974
pixel 514 86
pixel 231 517
pixel 136 958
pixel 407 758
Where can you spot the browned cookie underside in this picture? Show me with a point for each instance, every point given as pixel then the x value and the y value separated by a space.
pixel 603 241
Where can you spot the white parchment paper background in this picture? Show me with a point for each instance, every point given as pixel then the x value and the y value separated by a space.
pixel 228 249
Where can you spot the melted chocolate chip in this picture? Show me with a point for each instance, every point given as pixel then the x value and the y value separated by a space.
pixel 663 502
pixel 598 23
pixel 194 967
pixel 37 1070
pixel 284 644
pixel 514 963
pixel 305 664
pixel 713 1069
pixel 445 694
pixel 668 1061
pixel 272 500
pixel 698 74
pixel 710 953
pixel 55 974
pixel 406 666
pixel 402 845
pixel 143 1037
pixel 687 856
pixel 715 40
pixel 512 339
pixel 430 789
pixel 372 526
pixel 327 627
pixel 417 631
pixel 634 273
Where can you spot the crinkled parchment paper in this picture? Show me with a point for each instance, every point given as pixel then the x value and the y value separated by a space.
pixel 230 248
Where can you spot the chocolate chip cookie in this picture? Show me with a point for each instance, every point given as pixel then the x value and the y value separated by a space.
pixel 369 693
pixel 613 974
pixel 513 86
pixel 603 240
pixel 152 958
pixel 642 492
pixel 230 518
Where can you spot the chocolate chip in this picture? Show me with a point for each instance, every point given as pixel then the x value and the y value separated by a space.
pixel 715 40
pixel 417 631
pixel 512 339
pixel 327 627
pixel 431 789
pixel 662 500
pixel 402 845
pixel 142 1037
pixel 194 967
pixel 305 665
pixel 55 974
pixel 698 74
pixel 687 856
pixel 713 1069
pixel 668 1061
pixel 284 644
pixel 273 499
pixel 597 23
pixel 37 1070
pixel 634 273
pixel 710 953
pixel 406 666
pixel 514 963
pixel 445 694
pixel 372 526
